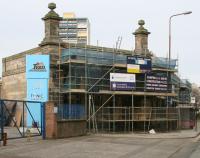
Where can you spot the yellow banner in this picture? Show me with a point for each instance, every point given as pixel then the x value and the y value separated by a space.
pixel 133 71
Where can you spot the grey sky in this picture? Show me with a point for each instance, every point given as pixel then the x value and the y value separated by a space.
pixel 21 27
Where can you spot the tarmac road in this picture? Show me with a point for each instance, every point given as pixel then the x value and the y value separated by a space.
pixel 102 147
pixel 188 150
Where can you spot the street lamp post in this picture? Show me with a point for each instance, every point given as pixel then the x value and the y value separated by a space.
pixel 169 75
pixel 170 19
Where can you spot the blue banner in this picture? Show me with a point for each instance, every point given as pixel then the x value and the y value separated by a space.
pixel 156 83
pixel 122 86
pixel 37 66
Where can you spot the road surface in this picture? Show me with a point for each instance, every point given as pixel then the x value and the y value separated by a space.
pixel 102 147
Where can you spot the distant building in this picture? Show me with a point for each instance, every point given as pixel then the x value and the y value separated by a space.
pixel 187 113
pixel 74 30
pixel 0 86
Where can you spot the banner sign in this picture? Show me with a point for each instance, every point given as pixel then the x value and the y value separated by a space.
pixel 37 90
pixel 138 64
pixel 156 83
pixel 37 66
pixel 122 81
pixel 37 74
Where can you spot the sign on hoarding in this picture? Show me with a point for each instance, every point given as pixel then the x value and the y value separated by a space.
pixel 156 83
pixel 37 66
pixel 37 90
pixel 37 74
pixel 138 64
pixel 122 81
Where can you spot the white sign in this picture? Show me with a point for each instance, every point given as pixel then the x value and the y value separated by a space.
pixel 55 110
pixel 193 100
pixel 122 77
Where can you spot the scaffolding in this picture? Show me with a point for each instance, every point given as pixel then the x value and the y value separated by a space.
pixel 84 92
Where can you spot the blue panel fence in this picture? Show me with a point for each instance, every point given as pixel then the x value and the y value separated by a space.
pixel 73 111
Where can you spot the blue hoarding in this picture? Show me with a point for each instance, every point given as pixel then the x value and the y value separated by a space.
pixel 37 74
pixel 35 109
pixel 37 66
pixel 37 90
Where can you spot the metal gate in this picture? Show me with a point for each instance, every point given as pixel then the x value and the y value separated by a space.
pixel 17 120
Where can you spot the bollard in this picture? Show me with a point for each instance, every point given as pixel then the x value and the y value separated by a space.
pixel 4 139
pixel 28 133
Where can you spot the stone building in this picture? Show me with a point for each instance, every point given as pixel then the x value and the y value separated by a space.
pixel 79 86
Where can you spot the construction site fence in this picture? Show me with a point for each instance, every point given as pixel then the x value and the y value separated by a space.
pixel 19 118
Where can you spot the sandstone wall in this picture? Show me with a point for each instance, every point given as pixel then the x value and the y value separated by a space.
pixel 14 76
pixel 14 87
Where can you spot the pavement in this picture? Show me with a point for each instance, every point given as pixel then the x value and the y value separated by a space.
pixel 93 146
pixel 181 134
pixel 178 134
pixel 13 132
pixel 178 144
